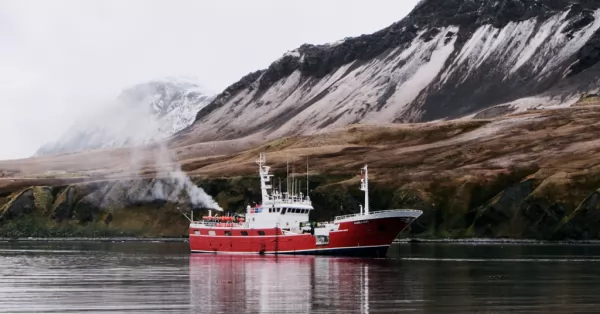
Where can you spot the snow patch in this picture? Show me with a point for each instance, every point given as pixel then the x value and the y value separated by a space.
pixel 547 29
pixel 541 102
pixel 292 53
pixel 336 43
pixel 419 71
pixel 570 47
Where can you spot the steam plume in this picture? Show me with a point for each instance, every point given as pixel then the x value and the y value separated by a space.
pixel 172 183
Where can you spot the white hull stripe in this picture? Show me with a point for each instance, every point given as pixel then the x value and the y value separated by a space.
pixel 249 236
pixel 296 251
pixel 259 236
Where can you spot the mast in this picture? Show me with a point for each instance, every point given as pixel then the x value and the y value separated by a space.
pixel 293 181
pixel 364 186
pixel 265 177
pixel 307 191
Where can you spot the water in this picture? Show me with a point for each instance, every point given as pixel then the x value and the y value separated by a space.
pixel 426 278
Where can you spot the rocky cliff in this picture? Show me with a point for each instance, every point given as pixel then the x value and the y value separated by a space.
pixel 446 59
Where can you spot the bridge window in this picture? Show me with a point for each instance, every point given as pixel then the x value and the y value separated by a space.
pixel 244 233
pixel 260 232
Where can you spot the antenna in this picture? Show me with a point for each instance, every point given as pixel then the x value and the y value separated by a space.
pixel 307 191
pixel 293 178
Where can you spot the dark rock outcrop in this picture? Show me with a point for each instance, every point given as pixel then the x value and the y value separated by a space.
pixel 19 204
pixel 64 203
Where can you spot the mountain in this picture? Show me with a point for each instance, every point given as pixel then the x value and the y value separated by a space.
pixel 447 59
pixel 141 114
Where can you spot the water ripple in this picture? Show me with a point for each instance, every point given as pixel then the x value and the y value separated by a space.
pixel 422 278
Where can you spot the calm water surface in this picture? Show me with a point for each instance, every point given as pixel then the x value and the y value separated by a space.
pixel 425 278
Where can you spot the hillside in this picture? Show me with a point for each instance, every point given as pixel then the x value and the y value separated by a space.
pixel 446 59
pixel 528 175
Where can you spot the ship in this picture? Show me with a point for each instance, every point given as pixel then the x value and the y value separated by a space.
pixel 280 224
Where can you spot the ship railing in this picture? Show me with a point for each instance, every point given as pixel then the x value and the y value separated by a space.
pixel 220 224
pixel 289 200
pixel 416 211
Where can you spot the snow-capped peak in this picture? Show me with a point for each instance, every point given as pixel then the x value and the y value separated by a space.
pixel 141 114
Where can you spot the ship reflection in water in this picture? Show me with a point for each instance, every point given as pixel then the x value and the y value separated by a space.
pixel 290 284
pixel 422 278
pixel 91 278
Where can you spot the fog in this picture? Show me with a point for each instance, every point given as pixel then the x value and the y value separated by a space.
pixel 62 59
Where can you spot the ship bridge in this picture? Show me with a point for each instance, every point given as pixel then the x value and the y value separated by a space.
pixel 285 210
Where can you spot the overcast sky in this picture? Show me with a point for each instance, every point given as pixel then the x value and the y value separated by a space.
pixel 61 59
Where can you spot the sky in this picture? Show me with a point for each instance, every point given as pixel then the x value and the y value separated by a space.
pixel 61 59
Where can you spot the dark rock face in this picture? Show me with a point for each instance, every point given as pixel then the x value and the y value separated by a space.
pixel 87 208
pixel 499 214
pixel 587 57
pixel 446 59
pixel 23 203
pixel 584 222
pixel 63 206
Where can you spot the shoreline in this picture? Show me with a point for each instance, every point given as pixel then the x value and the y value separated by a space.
pixel 87 239
pixel 473 241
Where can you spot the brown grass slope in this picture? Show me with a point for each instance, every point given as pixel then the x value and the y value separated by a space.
pixel 528 175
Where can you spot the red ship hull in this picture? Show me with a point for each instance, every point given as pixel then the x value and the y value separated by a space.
pixel 369 237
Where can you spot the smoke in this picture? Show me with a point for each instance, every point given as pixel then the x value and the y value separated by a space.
pixel 140 119
pixel 171 183
pixel 146 171
pixel 174 185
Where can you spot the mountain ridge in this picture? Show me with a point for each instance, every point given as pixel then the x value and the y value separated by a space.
pixel 445 60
